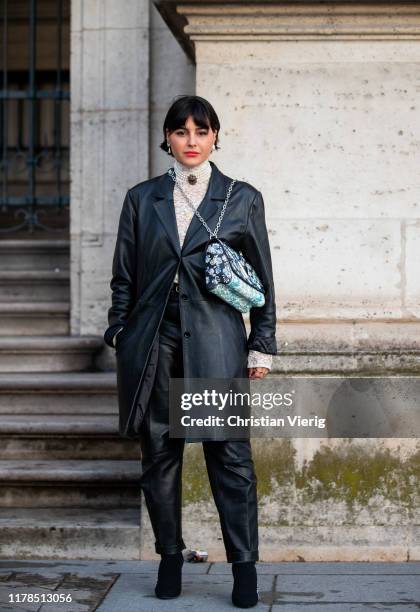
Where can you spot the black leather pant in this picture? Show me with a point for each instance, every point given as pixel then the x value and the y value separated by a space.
pixel 229 463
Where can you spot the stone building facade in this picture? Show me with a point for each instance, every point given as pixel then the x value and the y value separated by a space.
pixel 319 110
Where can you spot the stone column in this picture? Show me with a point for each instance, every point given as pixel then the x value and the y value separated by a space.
pixel 109 142
pixel 172 73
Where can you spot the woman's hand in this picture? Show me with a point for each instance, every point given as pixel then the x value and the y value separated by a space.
pixel 257 372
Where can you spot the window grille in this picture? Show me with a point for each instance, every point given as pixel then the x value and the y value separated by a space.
pixel 34 115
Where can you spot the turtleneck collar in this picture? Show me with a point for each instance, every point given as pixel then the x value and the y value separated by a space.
pixel 202 172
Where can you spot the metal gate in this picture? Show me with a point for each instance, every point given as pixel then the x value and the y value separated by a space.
pixel 34 115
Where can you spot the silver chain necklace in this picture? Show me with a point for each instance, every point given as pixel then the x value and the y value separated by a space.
pixel 213 234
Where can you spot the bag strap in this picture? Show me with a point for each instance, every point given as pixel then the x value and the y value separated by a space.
pixel 213 234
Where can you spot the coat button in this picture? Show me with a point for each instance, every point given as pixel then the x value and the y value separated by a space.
pixel 184 296
pixel 187 334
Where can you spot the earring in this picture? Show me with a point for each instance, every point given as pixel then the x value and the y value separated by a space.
pixel 169 147
pixel 213 148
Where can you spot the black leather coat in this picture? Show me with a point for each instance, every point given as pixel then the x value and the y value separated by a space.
pixel 146 258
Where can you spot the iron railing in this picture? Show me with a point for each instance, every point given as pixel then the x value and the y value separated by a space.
pixel 34 113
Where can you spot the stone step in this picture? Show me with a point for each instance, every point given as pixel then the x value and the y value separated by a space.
pixel 48 353
pixel 34 285
pixel 69 483
pixel 50 393
pixel 34 254
pixel 68 447
pixel 58 473
pixel 58 425
pixel 63 437
pixel 75 533
pixel 34 318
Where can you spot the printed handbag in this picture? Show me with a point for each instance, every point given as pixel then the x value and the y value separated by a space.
pixel 227 273
pixel 231 277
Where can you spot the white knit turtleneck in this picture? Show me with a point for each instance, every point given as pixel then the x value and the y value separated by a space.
pixel 196 193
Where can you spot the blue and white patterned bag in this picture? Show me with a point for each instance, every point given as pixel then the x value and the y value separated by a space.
pixel 231 277
pixel 227 273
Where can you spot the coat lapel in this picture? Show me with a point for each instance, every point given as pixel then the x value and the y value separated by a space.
pixel 164 207
pixel 209 208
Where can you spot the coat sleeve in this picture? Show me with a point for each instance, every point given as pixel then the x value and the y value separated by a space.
pixel 256 250
pixel 123 271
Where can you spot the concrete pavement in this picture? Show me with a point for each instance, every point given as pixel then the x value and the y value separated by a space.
pixel 128 586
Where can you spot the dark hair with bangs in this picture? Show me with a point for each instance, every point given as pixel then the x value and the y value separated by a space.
pixel 198 108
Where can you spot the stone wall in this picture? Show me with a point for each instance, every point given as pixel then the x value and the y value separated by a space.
pixel 347 500
pixel 318 107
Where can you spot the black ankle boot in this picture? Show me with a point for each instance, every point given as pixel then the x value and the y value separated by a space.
pixel 169 582
pixel 244 593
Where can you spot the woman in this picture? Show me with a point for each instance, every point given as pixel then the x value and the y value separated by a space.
pixel 165 324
